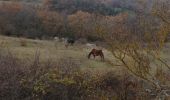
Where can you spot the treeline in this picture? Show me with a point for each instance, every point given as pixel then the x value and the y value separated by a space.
pixel 105 7
pixel 92 6
pixel 33 21
pixel 48 19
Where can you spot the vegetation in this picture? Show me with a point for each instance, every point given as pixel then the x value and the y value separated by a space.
pixel 135 36
pixel 33 21
pixel 27 80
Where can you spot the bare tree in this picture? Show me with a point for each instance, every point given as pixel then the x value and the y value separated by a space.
pixel 137 43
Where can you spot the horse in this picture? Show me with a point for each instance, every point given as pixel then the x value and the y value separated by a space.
pixel 70 42
pixel 95 53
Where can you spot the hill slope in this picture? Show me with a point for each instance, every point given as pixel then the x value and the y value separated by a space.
pixel 54 51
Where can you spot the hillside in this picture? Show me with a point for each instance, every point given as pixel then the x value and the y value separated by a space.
pixel 84 50
pixel 54 51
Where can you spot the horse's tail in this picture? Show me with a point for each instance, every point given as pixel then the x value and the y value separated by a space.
pixel 89 55
pixel 102 55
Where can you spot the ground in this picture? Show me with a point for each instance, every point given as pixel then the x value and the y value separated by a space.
pixel 51 50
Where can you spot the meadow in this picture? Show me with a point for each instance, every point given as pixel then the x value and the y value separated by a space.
pixel 53 50
pixel 38 68
pixel 37 60
pixel 23 48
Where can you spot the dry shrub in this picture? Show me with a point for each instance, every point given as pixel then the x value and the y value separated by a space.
pixel 122 87
pixel 60 83
pixel 61 80
pixel 11 73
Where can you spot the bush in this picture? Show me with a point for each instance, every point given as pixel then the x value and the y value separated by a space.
pixel 11 72
pixel 62 80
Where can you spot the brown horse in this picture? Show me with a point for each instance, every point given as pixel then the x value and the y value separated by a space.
pixel 95 53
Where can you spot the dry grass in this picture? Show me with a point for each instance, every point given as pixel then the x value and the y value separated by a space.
pixel 55 51
pixel 60 80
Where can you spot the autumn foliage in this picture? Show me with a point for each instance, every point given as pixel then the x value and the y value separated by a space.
pixel 135 37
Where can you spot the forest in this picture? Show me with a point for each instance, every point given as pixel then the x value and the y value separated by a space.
pixel 31 19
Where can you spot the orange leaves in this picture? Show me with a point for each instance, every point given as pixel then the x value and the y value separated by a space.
pixel 49 16
pixel 118 18
pixel 11 7
pixel 80 23
pixel 52 21
pixel 79 17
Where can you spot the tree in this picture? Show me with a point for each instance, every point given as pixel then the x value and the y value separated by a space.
pixel 8 11
pixel 52 25
pixel 161 9
pixel 136 43
pixel 80 23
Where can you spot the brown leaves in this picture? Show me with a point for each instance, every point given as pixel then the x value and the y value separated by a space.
pixel 11 7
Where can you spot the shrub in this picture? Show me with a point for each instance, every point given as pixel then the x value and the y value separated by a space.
pixel 62 80
pixel 11 72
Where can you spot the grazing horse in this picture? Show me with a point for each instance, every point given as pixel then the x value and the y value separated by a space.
pixel 95 53
pixel 70 42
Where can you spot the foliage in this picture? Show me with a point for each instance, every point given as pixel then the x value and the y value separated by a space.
pixel 72 6
pixel 136 43
pixel 63 80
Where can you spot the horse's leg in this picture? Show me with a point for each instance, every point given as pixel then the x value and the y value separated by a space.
pixel 94 56
pixel 102 57
pixel 68 44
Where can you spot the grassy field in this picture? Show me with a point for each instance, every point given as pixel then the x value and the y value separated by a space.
pixel 51 50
